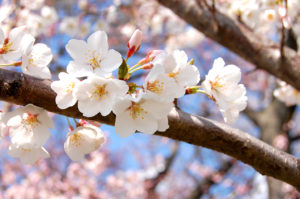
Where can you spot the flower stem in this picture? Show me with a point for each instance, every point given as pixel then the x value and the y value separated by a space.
pixel 133 67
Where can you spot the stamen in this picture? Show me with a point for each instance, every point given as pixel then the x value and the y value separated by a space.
pixel 75 139
pixel 136 111
pixel 99 92
pixel 155 86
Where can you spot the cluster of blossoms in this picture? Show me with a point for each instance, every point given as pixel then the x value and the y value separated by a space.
pixel 90 82
pixel 259 14
pixel 143 108
pixel 35 15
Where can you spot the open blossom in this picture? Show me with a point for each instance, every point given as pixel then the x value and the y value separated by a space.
pixel 141 114
pixel 49 15
pixel 69 26
pixel 221 84
pixel 177 67
pixel 28 125
pixel 83 140
pixel 93 56
pixel 287 94
pixel 27 153
pixel 10 46
pixel 97 94
pixel 36 58
pixel 64 89
pixel 84 29
pixel 159 85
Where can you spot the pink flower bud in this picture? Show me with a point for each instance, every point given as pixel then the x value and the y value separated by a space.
pixel 134 43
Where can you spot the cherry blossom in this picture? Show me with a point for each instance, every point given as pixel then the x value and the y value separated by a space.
pixel 64 89
pixel 10 46
pixel 69 26
pixel 27 153
pixel 36 58
pixel 221 85
pixel 140 114
pixel 177 67
pixel 92 56
pixel 287 94
pixel 28 125
pixel 83 140
pixel 159 85
pixel 49 15
pixel 97 94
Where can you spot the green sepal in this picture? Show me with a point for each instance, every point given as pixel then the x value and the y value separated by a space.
pixel 123 71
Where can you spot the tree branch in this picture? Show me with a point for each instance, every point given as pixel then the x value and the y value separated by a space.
pixel 262 52
pixel 22 89
pixel 203 186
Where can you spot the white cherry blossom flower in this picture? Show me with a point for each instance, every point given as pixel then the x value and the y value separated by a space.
pixel 83 140
pixel 27 153
pixel 287 94
pixel 97 94
pixel 140 114
pixel 84 29
pixel 64 89
pixel 32 4
pixel 34 23
pixel 101 25
pixel 49 15
pixel 92 56
pixel 231 114
pixel 10 46
pixel 221 85
pixel 177 67
pixel 69 26
pixel 36 58
pixel 159 85
pixel 28 125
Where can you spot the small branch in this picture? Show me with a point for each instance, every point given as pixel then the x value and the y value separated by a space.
pixel 151 184
pixel 204 185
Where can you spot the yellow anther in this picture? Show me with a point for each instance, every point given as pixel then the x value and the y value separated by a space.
pixel 75 139
pixel 25 150
pixel 70 87
pixel 155 86
pixel 216 84
pixel 99 92
pixel 136 111
pixel 30 120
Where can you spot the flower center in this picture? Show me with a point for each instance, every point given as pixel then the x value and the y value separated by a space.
pixel 155 86
pixel 25 150
pixel 75 139
pixel 6 46
pixel 99 92
pixel 173 75
pixel 136 111
pixel 30 120
pixel 216 84
pixel 94 60
pixel 70 87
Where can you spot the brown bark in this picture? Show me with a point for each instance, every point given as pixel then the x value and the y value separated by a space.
pixel 263 53
pixel 21 89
